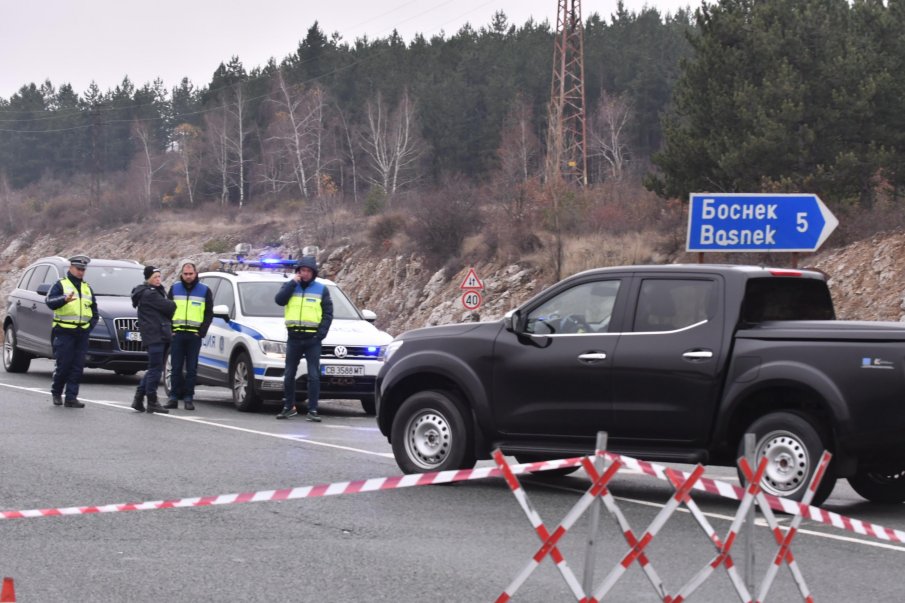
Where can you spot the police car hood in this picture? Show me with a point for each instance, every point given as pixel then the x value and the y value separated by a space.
pixel 342 332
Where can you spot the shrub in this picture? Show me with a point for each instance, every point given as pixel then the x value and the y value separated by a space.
pixel 216 246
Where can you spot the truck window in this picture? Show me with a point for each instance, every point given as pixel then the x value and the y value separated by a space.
pixel 672 304
pixel 781 298
pixel 584 308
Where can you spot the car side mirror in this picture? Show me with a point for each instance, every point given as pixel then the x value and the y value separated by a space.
pixel 368 315
pixel 44 288
pixel 222 311
pixel 511 320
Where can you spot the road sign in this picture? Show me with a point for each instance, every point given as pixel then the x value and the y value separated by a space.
pixel 471 281
pixel 756 222
pixel 472 300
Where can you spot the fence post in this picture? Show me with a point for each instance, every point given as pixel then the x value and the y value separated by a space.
pixel 750 443
pixel 590 558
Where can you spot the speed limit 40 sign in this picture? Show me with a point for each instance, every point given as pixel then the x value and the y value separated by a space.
pixel 471 300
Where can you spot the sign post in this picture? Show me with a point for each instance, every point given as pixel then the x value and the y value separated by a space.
pixel 756 222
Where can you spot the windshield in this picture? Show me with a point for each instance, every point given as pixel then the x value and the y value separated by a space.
pixel 114 280
pixel 257 300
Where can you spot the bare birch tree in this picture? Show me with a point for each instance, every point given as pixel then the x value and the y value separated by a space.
pixel 151 161
pixel 607 136
pixel 351 153
pixel 519 146
pixel 298 127
pixel 189 150
pixel 217 137
pixel 391 143
pixel 236 137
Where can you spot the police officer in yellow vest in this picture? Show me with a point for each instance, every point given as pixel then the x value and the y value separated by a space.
pixel 193 316
pixel 308 314
pixel 74 315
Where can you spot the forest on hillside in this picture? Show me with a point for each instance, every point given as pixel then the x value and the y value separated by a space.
pixel 737 96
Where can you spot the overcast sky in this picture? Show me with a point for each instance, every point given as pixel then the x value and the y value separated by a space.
pixel 77 41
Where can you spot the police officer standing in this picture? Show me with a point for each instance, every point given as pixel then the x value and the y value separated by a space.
pixel 193 316
pixel 308 314
pixel 74 315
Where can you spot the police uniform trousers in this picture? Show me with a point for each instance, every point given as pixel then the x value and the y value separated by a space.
pixel 69 349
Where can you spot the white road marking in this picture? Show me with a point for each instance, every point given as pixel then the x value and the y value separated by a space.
pixel 201 421
pixel 306 440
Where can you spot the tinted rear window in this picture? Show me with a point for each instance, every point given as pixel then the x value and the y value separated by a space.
pixel 781 298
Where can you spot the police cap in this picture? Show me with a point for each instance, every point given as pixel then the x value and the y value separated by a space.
pixel 79 261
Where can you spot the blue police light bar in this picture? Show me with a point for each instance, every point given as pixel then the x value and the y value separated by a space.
pixel 260 263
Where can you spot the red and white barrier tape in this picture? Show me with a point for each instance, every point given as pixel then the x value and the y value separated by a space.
pixel 444 477
pixel 334 489
pixel 780 504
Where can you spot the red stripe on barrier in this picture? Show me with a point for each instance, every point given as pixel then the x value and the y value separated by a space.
pixel 281 494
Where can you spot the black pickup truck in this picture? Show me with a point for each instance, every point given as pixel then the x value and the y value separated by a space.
pixel 676 363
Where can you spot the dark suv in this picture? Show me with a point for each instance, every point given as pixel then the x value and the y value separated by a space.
pixel 114 344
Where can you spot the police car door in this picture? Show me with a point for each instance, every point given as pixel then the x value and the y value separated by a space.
pixel 213 362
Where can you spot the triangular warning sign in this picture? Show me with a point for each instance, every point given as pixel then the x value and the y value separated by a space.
pixel 471 280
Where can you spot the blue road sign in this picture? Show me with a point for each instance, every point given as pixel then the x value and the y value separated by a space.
pixel 755 222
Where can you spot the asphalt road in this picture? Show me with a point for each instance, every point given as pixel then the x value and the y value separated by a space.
pixel 460 542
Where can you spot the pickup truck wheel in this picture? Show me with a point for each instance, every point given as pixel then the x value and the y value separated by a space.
pixel 431 433
pixel 14 359
pixel 242 383
pixel 792 446
pixel 880 486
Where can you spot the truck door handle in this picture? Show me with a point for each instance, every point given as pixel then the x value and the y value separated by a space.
pixel 592 357
pixel 698 355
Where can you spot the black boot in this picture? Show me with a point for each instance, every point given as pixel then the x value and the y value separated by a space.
pixel 138 402
pixel 154 405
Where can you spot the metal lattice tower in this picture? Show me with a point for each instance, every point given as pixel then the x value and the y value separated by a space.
pixel 567 156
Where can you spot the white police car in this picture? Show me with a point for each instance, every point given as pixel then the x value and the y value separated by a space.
pixel 245 346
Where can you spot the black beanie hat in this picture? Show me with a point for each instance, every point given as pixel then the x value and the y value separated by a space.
pixel 149 270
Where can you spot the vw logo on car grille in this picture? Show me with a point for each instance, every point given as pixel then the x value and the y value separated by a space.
pixel 340 351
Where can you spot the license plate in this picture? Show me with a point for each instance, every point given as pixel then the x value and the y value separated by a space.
pixel 336 370
pixel 133 336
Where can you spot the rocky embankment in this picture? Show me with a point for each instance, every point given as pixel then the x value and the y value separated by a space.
pixel 867 278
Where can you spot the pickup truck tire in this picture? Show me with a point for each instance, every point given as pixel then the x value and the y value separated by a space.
pixel 14 359
pixel 880 487
pixel 242 383
pixel 430 433
pixel 792 446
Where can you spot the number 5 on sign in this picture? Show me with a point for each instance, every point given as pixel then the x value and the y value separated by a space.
pixel 471 300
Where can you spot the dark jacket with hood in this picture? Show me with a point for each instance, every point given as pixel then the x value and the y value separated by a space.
pixel 285 294
pixel 155 313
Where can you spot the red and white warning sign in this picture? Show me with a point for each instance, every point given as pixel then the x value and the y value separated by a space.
pixel 472 300
pixel 471 281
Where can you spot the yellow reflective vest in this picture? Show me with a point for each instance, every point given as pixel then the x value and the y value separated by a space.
pixel 304 311
pixel 77 313
pixel 189 314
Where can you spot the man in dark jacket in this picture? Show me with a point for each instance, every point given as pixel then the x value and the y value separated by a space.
pixel 155 313
pixel 308 314
pixel 194 313
pixel 74 315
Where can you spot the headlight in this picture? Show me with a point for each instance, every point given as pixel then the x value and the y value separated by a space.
pixel 275 349
pixel 390 350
